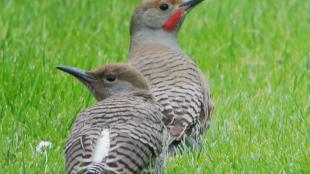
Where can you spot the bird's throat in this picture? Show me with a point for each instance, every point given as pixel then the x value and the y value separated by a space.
pixel 173 21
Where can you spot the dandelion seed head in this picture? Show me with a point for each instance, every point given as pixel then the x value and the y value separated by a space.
pixel 43 147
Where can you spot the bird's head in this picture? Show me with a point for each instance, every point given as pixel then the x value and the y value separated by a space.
pixel 109 80
pixel 161 15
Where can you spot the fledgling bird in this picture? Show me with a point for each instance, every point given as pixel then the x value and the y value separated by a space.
pixel 121 134
pixel 176 81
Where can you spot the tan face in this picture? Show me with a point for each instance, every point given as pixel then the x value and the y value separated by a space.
pixel 159 12
pixel 112 74
pixel 110 80
pixel 164 15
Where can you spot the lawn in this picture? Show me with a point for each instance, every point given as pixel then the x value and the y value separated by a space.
pixel 256 55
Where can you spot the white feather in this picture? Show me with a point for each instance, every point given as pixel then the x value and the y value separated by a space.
pixel 102 146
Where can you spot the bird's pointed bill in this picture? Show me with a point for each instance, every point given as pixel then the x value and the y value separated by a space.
pixel 80 74
pixel 189 4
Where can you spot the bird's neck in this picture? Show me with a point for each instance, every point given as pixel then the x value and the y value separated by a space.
pixel 158 37
pixel 140 93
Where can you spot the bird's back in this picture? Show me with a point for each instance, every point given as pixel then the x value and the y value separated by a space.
pixel 120 134
pixel 177 84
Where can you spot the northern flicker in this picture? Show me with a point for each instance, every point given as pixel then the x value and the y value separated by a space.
pixel 123 132
pixel 176 81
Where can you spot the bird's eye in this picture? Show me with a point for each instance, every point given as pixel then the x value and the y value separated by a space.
pixel 110 78
pixel 164 6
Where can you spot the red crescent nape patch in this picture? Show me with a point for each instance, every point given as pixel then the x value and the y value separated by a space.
pixel 174 20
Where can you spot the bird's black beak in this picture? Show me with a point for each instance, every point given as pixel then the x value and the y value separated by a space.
pixel 82 75
pixel 188 5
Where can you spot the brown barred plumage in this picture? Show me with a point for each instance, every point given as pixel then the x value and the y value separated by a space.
pixel 123 133
pixel 176 82
pixel 135 132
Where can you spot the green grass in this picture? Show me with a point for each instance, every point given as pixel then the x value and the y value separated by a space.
pixel 256 55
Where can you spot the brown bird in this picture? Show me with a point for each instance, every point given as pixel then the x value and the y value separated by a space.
pixel 123 132
pixel 176 81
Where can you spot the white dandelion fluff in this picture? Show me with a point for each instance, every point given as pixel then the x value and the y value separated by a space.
pixel 43 147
